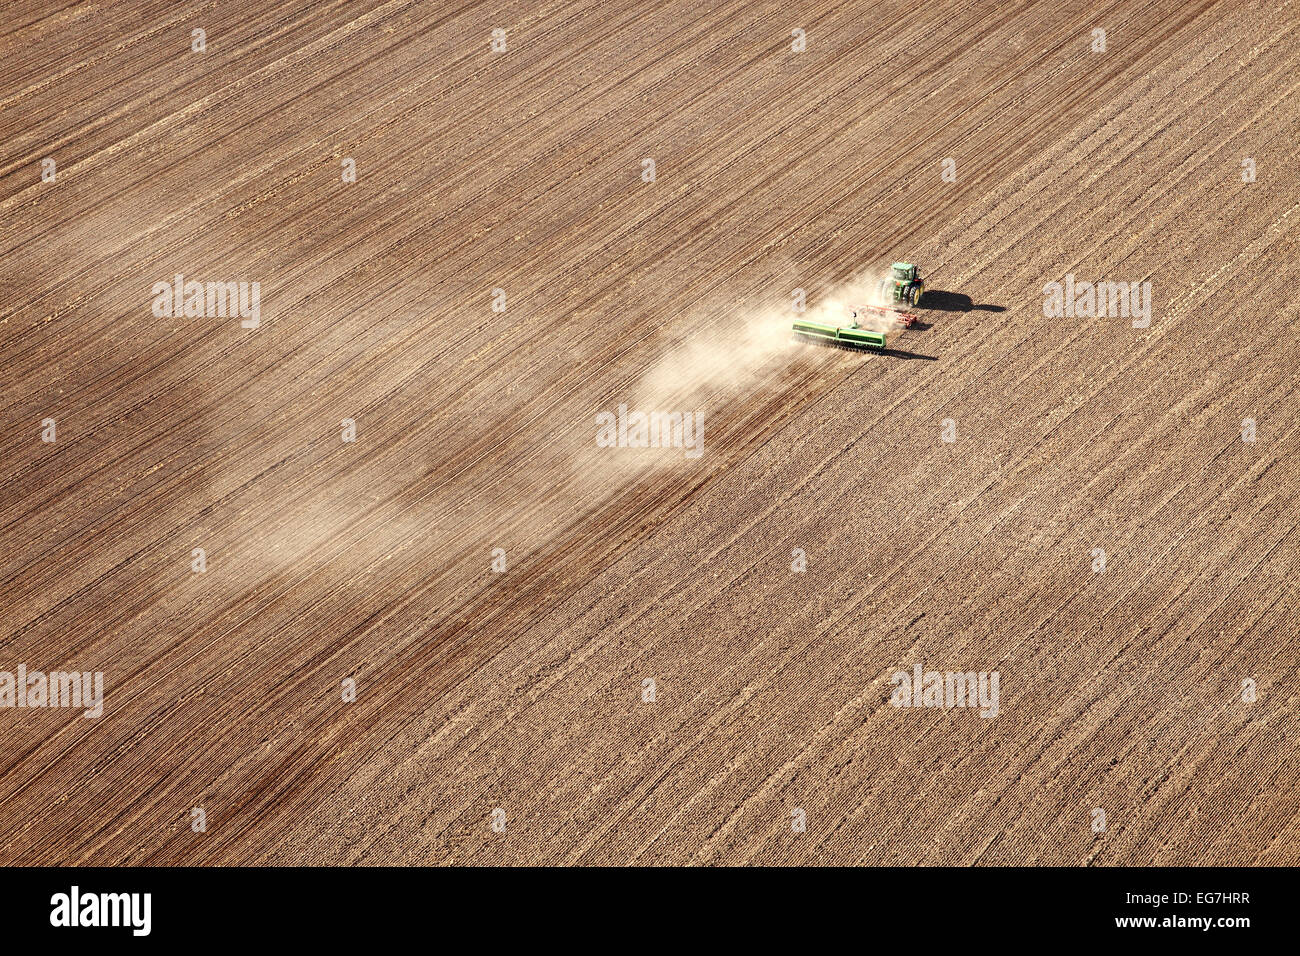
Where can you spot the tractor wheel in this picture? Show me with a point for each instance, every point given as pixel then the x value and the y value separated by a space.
pixel 917 292
pixel 882 290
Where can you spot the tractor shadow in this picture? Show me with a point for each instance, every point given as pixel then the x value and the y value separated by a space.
pixel 937 300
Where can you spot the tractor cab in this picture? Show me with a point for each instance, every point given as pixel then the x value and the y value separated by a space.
pixel 904 287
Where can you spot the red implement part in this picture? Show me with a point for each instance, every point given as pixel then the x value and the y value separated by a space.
pixel 885 314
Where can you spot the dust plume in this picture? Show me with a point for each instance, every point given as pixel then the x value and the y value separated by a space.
pixel 727 358
pixel 747 344
pixel 842 303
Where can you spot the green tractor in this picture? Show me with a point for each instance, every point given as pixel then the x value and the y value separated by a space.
pixel 904 286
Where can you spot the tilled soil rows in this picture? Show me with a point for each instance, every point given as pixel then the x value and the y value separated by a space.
pixel 365 584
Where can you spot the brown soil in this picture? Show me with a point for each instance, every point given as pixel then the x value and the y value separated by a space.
pixel 475 430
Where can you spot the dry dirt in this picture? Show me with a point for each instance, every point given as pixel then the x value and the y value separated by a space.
pixel 1120 690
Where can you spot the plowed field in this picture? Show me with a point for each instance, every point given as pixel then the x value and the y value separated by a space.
pixel 569 653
